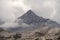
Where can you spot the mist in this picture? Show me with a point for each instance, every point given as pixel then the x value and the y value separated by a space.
pixel 10 10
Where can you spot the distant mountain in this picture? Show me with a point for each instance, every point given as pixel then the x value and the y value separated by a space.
pixel 33 21
pixel 31 18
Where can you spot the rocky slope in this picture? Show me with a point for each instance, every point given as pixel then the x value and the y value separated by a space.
pixel 44 33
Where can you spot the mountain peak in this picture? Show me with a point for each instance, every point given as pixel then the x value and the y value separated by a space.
pixel 29 13
pixel 31 18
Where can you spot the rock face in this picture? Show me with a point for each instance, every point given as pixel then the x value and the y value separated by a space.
pixel 44 33
pixel 6 35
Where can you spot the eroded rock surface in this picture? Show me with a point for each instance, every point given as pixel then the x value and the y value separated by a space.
pixel 44 33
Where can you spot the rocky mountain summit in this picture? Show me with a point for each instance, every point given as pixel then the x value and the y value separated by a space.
pixel 31 18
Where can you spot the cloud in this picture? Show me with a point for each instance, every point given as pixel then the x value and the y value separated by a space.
pixel 42 7
pixel 10 10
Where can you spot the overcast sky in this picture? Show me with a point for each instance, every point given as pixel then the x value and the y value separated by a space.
pixel 11 9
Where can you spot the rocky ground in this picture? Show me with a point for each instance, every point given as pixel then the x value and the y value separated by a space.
pixel 44 33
